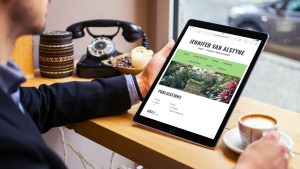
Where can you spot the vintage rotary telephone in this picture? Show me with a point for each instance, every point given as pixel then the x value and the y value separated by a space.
pixel 101 49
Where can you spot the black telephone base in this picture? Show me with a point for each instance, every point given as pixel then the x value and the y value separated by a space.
pixel 95 70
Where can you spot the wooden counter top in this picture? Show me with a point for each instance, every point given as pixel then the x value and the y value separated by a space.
pixel 153 149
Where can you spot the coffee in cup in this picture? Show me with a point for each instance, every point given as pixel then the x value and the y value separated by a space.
pixel 253 126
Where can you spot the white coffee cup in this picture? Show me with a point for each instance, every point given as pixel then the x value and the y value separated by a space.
pixel 253 126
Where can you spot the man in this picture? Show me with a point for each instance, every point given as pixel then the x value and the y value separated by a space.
pixel 27 112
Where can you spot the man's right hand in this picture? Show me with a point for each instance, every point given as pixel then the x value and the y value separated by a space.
pixel 266 153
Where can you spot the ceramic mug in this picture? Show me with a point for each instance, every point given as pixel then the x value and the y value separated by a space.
pixel 253 126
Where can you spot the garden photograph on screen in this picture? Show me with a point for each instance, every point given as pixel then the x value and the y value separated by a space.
pixel 201 82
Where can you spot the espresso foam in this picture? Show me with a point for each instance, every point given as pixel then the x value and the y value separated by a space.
pixel 259 122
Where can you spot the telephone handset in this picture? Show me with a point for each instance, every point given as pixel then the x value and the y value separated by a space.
pixel 101 48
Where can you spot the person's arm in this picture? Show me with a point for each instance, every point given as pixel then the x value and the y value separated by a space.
pixel 266 153
pixel 64 103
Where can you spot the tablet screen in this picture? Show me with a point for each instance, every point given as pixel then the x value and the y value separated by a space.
pixel 195 90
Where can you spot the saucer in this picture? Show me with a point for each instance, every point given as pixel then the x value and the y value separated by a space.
pixel 233 141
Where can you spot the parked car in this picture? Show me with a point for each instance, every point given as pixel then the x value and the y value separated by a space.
pixel 281 19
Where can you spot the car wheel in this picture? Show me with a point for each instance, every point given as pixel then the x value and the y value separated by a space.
pixel 250 26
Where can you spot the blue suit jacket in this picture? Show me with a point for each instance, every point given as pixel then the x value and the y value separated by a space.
pixel 50 106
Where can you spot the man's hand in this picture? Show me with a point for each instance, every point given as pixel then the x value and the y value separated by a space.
pixel 148 75
pixel 266 153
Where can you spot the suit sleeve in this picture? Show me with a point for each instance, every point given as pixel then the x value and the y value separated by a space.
pixel 63 103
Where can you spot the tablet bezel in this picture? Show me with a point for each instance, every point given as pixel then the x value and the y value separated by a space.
pixel 184 134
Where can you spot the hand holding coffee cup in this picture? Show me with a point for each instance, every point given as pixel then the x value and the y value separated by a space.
pixel 253 126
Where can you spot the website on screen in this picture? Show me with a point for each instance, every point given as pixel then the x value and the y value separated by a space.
pixel 195 91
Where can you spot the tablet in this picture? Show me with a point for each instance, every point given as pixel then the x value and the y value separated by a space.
pixel 196 90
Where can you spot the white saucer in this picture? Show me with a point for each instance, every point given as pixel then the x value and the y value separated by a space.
pixel 233 141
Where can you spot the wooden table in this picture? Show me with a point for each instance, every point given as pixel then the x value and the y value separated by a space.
pixel 156 150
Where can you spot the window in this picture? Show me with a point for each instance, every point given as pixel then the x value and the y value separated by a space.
pixel 272 79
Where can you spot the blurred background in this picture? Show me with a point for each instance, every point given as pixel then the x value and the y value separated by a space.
pixel 275 77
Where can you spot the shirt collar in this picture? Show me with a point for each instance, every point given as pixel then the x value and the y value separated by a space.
pixel 10 77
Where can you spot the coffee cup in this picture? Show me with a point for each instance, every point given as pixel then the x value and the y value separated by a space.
pixel 253 126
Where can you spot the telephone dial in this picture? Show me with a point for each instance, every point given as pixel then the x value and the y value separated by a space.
pixel 101 49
